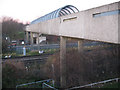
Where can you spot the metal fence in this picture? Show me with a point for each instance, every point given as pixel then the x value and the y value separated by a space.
pixel 38 84
pixel 19 49
pixel 96 83
pixel 44 84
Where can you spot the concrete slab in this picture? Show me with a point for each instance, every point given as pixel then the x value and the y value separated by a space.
pixel 84 25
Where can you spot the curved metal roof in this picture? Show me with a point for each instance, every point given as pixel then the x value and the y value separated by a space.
pixel 66 10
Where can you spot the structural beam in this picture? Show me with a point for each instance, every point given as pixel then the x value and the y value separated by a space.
pixel 63 62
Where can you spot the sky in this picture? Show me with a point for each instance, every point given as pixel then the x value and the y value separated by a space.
pixel 28 10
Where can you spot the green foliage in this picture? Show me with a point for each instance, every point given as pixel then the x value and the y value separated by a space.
pixel 50 51
pixel 5 46
pixel 28 52
pixel 20 35
pixel 111 85
pixel 33 53
pixel 47 51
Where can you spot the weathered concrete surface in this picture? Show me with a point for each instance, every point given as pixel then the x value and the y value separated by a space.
pixel 119 24
pixel 63 62
pixel 83 25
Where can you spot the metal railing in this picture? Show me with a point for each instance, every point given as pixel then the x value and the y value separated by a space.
pixel 92 84
pixel 45 85
pixel 19 49
pixel 42 81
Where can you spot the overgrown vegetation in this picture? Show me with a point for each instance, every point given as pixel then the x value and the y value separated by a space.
pixel 15 73
pixel 111 85
pixel 30 53
pixel 11 30
pixel 88 66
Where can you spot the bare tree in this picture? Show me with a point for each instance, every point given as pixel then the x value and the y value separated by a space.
pixel 11 29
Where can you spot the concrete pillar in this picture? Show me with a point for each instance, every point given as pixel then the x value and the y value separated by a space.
pixel 27 37
pixel 37 40
pixel 80 45
pixel 31 38
pixel 63 62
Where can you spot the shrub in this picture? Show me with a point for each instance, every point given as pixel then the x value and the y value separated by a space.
pixel 33 53
pixel 15 73
pixel 86 67
pixel 12 72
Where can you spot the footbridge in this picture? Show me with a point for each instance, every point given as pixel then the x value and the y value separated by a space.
pixel 99 24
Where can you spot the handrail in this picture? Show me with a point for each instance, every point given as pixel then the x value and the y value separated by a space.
pixel 49 86
pixel 95 83
pixel 33 83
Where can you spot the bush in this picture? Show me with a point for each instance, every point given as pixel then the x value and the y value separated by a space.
pixel 15 73
pixel 5 46
pixel 86 67
pixel 12 72
pixel 33 53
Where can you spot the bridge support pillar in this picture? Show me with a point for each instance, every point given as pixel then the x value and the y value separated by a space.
pixel 80 45
pixel 63 62
pixel 37 40
pixel 31 38
pixel 27 37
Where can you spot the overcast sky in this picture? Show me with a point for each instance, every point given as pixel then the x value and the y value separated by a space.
pixel 28 10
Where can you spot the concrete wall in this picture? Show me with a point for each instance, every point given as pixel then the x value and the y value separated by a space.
pixel 84 26
pixel 119 24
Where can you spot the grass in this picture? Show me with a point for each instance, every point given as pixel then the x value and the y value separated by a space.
pixel 112 85
pixel 52 51
pixel 31 53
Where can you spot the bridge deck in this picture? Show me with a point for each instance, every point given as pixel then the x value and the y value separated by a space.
pixel 101 24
